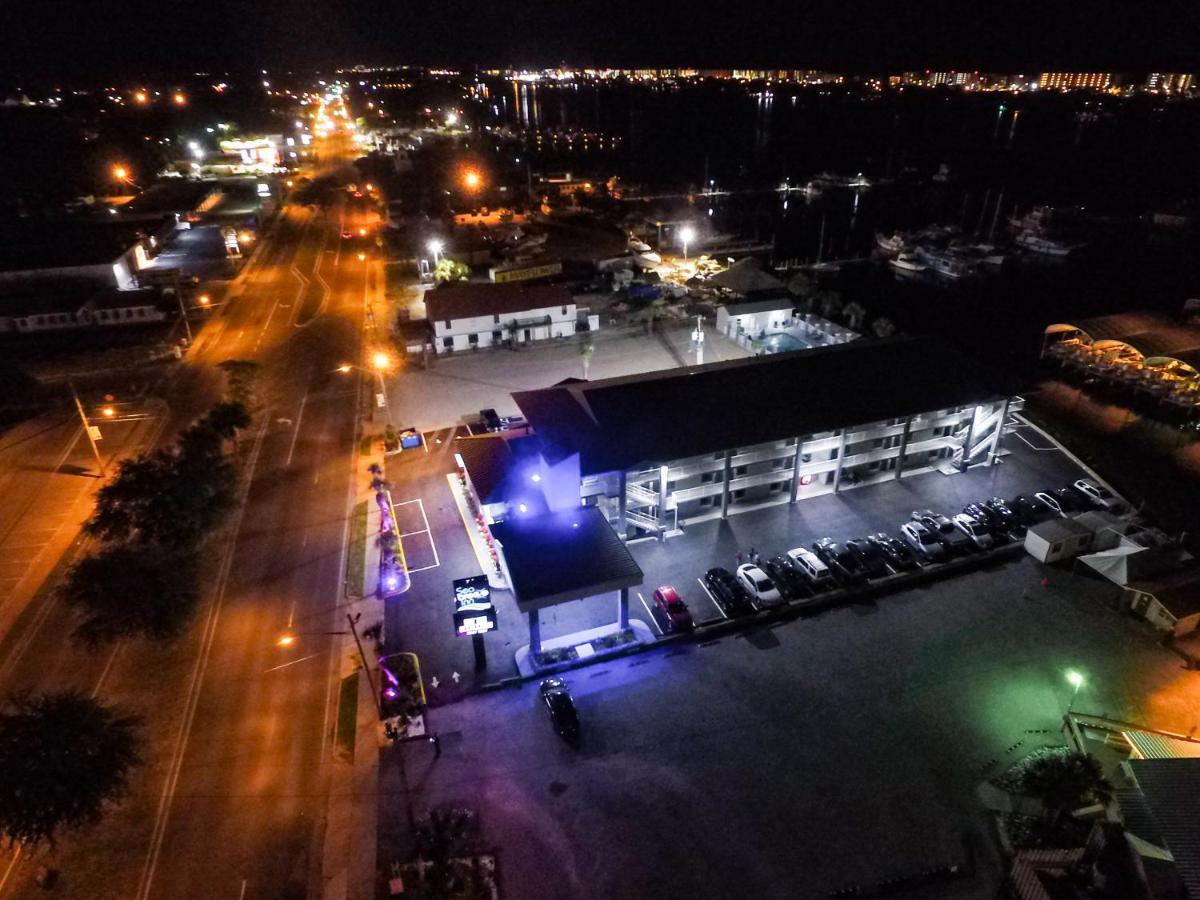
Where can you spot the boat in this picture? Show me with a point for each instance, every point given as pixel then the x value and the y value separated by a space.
pixel 891 244
pixel 944 263
pixel 637 246
pixel 906 262
pixel 1037 243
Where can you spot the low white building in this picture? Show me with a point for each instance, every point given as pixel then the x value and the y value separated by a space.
pixel 755 317
pixel 1057 539
pixel 467 316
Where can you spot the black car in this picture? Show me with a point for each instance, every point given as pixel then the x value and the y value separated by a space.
pixel 561 707
pixel 1069 500
pixel 844 565
pixel 897 553
pixel 730 596
pixel 1004 518
pixel 791 583
pixel 873 561
pixel 1030 510
pixel 994 521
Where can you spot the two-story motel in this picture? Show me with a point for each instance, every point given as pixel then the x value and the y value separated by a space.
pixel 659 450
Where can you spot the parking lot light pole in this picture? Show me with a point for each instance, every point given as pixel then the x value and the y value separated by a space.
pixel 87 427
pixel 1075 679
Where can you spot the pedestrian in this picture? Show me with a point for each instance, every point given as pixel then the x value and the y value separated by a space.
pixel 738 556
pixel 753 556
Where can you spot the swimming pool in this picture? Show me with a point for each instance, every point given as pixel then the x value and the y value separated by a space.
pixel 782 342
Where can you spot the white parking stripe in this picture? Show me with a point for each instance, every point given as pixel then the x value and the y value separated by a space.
pixel 649 613
pixel 704 587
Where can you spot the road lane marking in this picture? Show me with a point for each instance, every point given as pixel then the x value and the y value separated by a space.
pixel 704 587
pixel 12 865
pixel 192 697
pixel 296 431
pixel 104 673
pixel 653 620
pixel 292 663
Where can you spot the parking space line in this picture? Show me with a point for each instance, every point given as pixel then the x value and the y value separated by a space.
pixel 422 569
pixel 1030 445
pixel 649 613
pixel 704 588
pixel 429 531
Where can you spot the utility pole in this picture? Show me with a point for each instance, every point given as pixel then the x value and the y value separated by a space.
pixel 182 310
pixel 87 427
pixel 353 620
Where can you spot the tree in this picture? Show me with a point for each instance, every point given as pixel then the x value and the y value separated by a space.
pixel 63 758
pixel 883 327
pixel 124 591
pixel 1064 782
pixel 586 352
pixel 240 375
pixel 450 270
pixel 442 839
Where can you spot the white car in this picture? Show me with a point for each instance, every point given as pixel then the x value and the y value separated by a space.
pixel 1050 502
pixel 810 565
pixel 1097 495
pixel 923 542
pixel 979 534
pixel 762 589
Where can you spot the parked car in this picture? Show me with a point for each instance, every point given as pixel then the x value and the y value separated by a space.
pixel 924 543
pixel 1095 495
pixel 1001 522
pixel 944 530
pixel 727 592
pixel 810 566
pixel 668 602
pixel 898 554
pixel 790 581
pixel 762 590
pixel 976 531
pixel 871 558
pixel 1006 518
pixel 561 707
pixel 1053 502
pixel 841 562
pixel 1030 510
pixel 1069 500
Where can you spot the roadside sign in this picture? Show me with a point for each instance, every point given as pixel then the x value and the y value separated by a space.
pixel 94 432
pixel 474 613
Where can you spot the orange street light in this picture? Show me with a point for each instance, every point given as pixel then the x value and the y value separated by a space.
pixel 472 180
pixel 381 361
pixel 362 232
pixel 286 639
pixel 345 368
pixel 204 299
pixel 108 412
pixel 362 257
pixel 180 99
pixel 120 173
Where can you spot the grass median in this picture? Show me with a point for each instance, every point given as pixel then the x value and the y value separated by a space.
pixel 356 556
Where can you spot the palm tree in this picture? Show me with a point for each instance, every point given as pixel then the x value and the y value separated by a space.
pixel 1064 782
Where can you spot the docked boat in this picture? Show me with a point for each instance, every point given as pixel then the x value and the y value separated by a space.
pixel 891 245
pixel 906 262
pixel 944 263
pixel 1046 246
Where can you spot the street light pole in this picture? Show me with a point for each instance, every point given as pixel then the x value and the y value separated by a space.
pixel 353 620
pixel 187 326
pixel 87 427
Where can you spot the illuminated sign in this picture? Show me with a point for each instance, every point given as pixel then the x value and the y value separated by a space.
pixel 473 609
pixel 544 271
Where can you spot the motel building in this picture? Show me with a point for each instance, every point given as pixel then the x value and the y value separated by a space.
pixel 655 452
pixel 468 316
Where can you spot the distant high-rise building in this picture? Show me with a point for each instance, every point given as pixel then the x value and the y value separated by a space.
pixel 1168 82
pixel 1075 81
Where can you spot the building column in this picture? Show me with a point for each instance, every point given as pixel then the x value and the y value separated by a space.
pixel 994 449
pixel 903 446
pixel 966 447
pixel 663 475
pixel 725 485
pixel 837 473
pixel 623 608
pixel 796 469
pixel 535 632
pixel 623 531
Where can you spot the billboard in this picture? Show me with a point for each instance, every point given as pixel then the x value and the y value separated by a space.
pixel 473 609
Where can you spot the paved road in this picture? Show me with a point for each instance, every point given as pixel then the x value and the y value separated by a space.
pixel 231 799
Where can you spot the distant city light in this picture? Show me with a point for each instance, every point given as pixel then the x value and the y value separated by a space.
pixel 451 118
pixel 180 99
pixel 141 97
pixel 472 180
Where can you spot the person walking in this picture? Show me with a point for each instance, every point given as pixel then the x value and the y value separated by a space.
pixel 738 557
pixel 753 556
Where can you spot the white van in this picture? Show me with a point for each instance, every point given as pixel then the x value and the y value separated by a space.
pixel 813 569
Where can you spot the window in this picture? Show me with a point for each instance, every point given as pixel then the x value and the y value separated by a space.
pixel 707 501
pixel 448 325
pixel 739 494
pixel 707 477
pixel 448 343
pixel 776 486
pixel 473 340
pixel 496 319
pixel 781 462
pixel 740 470
pixel 497 337
pixel 564 310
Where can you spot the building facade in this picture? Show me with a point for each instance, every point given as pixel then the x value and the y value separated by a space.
pixel 471 316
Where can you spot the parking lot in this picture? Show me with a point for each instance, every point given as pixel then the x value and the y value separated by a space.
pixel 793 760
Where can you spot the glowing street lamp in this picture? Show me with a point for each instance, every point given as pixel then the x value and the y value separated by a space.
pixel 180 99
pixel 204 300
pixel 108 412
pixel 141 98
pixel 435 247
pixel 1075 679
pixel 120 173
pixel 286 639
pixel 687 234
pixel 472 180
pixel 381 361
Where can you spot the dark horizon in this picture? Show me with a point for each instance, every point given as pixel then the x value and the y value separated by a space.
pixel 142 40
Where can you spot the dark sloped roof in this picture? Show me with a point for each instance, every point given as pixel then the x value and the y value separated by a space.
pixel 1172 791
pixel 625 423
pixel 749 307
pixel 464 300
pixel 556 557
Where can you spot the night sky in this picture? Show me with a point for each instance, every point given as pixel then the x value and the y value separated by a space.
pixel 75 39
